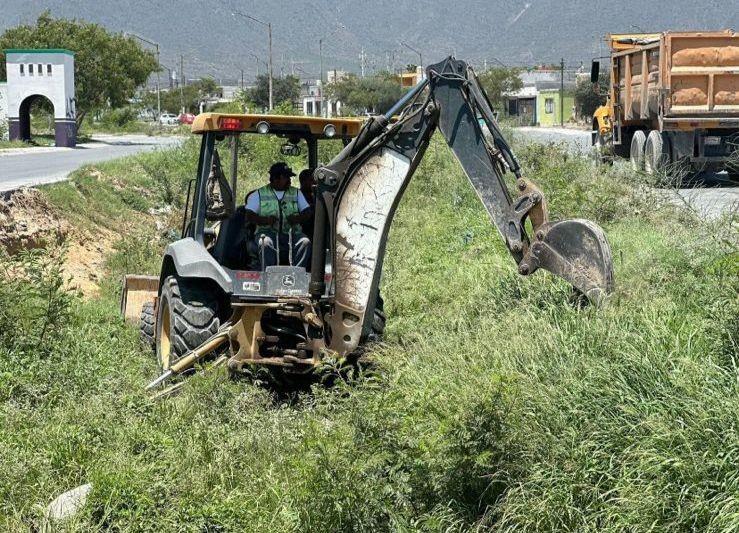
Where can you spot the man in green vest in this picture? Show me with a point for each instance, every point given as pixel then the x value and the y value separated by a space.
pixel 278 210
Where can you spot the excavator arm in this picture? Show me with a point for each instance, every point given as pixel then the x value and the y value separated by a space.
pixel 360 189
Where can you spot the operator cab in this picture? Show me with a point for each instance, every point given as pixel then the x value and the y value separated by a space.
pixel 215 214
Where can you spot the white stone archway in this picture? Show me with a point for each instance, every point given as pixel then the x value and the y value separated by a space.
pixel 34 73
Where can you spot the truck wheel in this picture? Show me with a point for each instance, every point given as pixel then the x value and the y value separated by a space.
pixel 186 318
pixel 636 152
pixel 656 153
pixel 147 324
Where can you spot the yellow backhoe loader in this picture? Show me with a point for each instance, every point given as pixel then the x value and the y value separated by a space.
pixel 211 301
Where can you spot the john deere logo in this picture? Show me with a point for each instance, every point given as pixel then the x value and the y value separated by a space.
pixel 288 281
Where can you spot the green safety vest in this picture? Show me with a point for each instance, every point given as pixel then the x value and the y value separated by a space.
pixel 269 205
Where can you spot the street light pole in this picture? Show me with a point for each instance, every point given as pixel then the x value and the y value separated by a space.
pixel 258 61
pixel 159 67
pixel 269 30
pixel 320 85
pixel 169 75
pixel 269 34
pixel 420 57
pixel 182 83
pixel 159 95
pixel 320 55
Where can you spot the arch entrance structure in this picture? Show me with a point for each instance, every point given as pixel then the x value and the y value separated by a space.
pixel 35 73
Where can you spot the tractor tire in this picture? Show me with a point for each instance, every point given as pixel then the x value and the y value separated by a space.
pixel 147 325
pixel 378 321
pixel 186 318
pixel 656 153
pixel 378 325
pixel 636 152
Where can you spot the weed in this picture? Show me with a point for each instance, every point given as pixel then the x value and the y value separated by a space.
pixel 494 404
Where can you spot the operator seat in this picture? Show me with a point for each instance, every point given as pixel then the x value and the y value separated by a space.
pixel 230 249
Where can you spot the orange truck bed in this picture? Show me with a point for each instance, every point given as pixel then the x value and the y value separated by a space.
pixel 681 78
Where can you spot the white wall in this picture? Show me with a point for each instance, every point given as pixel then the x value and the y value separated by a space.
pixel 58 86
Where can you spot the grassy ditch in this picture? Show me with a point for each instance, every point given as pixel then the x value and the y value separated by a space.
pixel 496 403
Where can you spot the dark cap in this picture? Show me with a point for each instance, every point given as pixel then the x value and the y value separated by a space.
pixel 280 169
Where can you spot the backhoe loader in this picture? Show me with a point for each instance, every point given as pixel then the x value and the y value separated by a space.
pixel 207 303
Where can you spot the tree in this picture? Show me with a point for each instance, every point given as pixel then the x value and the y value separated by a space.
pixel 497 81
pixel 285 89
pixel 373 94
pixel 107 67
pixel 587 99
pixel 189 98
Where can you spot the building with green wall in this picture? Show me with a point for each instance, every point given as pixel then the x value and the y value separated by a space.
pixel 548 107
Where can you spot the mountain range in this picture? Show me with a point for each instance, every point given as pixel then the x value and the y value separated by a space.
pixel 218 38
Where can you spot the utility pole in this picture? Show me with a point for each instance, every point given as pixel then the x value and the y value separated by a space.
pixel 361 62
pixel 269 35
pixel 269 29
pixel 562 92
pixel 242 79
pixel 182 82
pixel 256 58
pixel 159 95
pixel 169 74
pixel 320 85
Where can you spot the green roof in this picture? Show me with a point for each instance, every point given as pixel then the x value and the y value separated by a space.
pixel 38 51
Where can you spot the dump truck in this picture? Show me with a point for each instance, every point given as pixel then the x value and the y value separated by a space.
pixel 214 300
pixel 673 103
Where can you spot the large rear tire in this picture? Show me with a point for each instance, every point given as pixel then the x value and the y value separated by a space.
pixel 656 153
pixel 186 318
pixel 147 325
pixel 636 152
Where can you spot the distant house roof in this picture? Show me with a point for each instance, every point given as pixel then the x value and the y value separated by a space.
pixel 523 92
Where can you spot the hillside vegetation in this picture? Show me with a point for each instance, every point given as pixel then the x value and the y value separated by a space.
pixel 495 403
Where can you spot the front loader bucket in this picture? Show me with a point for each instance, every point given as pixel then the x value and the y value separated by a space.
pixel 576 250
pixel 137 290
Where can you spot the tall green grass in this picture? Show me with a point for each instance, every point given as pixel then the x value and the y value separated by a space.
pixel 495 403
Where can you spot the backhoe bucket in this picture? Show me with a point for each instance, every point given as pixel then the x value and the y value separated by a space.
pixel 137 290
pixel 576 250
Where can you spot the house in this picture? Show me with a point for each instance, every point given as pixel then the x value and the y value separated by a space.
pixel 549 109
pixel 522 106
pixel 315 102
pixel 411 79
pixel 537 103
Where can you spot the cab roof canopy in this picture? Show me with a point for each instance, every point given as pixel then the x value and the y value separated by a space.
pixel 282 125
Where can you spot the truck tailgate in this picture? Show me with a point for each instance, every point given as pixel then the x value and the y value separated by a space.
pixel 702 71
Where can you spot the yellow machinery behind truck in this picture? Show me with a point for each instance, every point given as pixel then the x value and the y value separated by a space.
pixel 673 101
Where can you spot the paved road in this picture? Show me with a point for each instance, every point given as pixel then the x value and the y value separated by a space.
pixel 577 140
pixel 710 195
pixel 34 166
